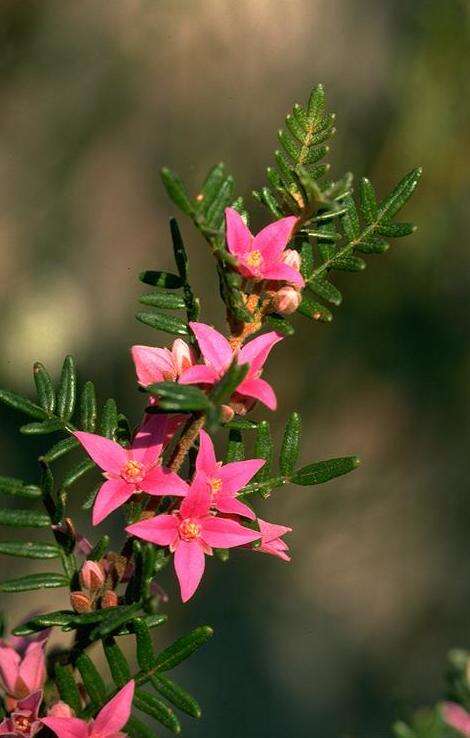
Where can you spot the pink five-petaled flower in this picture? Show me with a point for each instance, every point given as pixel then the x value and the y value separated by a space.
pixel 191 532
pixel 218 355
pixel 261 256
pixel 108 723
pixel 24 720
pixel 22 667
pixel 132 470
pixel 225 480
pixel 457 717
pixel 161 364
pixel 271 542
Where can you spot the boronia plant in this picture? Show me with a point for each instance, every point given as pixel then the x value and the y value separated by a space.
pixel 180 500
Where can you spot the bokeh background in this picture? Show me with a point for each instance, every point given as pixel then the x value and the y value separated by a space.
pixel 94 97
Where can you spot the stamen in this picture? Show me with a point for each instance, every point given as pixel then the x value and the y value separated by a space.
pixel 133 471
pixel 254 259
pixel 189 529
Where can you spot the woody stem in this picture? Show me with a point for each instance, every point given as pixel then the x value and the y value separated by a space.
pixel 186 442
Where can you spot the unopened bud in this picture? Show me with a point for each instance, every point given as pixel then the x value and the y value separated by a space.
pixel 109 599
pixel 80 602
pixel 226 413
pixel 292 259
pixel 91 576
pixel 286 300
pixel 60 710
pixel 183 355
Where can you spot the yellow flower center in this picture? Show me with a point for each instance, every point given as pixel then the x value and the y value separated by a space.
pixel 22 723
pixel 133 471
pixel 254 259
pixel 216 485
pixel 189 529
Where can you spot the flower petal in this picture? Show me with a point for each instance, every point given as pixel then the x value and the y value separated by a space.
pixel 206 461
pixel 148 442
pixel 237 474
pixel 113 716
pixel 231 506
pixel 113 493
pixel 270 531
pixel 257 351
pixel 159 481
pixel 199 374
pixel 31 703
pixel 109 455
pixel 197 502
pixel 162 529
pixel 33 667
pixel 67 727
pixel 259 390
pixel 222 533
pixel 215 348
pixel 238 235
pixel 273 239
pixel 283 272
pixel 9 668
pixel 152 364
pixel 455 716
pixel 189 566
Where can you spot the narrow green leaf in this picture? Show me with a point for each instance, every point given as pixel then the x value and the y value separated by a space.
pixel 44 388
pixel 313 309
pixel 117 662
pixel 90 500
pixel 77 472
pixel 225 388
pixel 306 260
pixel 157 709
pixel 264 449
pixel 24 519
pixel 350 220
pixel 396 230
pixel 67 687
pixel 326 290
pixel 88 408
pixel 242 424
pixel 60 449
pixel 179 397
pixel 179 251
pixel 323 471
pixel 29 550
pixel 153 621
pixel 400 194
pixel 165 300
pixel 176 695
pixel 67 389
pixel 349 264
pixel 135 729
pixel 22 404
pixel 161 279
pixel 115 620
pixel 184 647
pixel 144 643
pixel 280 324
pixel 162 322
pixel 290 444
pixel 34 581
pixel 369 206
pixel 41 622
pixel 42 428
pixel 99 549
pixel 176 191
pixel 236 446
pixel 223 198
pixel 91 678
pixel 17 488
pixel 109 419
pixel 210 188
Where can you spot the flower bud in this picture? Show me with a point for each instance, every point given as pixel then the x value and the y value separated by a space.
pixel 80 602
pixel 109 599
pixel 91 576
pixel 60 710
pixel 226 413
pixel 286 300
pixel 291 257
pixel 183 356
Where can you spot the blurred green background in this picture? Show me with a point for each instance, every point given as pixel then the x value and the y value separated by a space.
pixel 95 96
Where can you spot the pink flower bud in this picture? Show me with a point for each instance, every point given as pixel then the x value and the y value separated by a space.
pixel 183 356
pixel 226 413
pixel 292 259
pixel 80 602
pixel 60 710
pixel 91 576
pixel 286 300
pixel 109 599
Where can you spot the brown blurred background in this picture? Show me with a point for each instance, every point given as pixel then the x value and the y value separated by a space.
pixel 95 96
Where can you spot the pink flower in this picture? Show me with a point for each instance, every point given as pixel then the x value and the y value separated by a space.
pixel 218 355
pixel 190 533
pixel 108 723
pixel 457 717
pixel 161 364
pixel 24 720
pixel 271 539
pixel 133 470
pixel 225 480
pixel 261 257
pixel 22 667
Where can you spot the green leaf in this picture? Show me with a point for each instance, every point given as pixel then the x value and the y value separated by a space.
pixel 165 300
pixel 99 549
pixel 153 621
pixel 161 279
pixel 157 709
pixel 117 662
pixel 38 429
pixel 323 471
pixel 68 690
pixel 22 404
pixel 176 191
pixel 313 309
pixel 44 388
pixel 116 619
pixel 162 322
pixel 290 444
pixel 396 230
pixel 90 500
pixel 91 678
pixel 400 194
pixel 264 449
pixel 60 449
pixel 67 389
pixel 280 324
pixel 145 657
pixel 326 290
pixel 236 446
pixel 41 622
pixel 135 729
pixel 184 647
pixel 179 251
pixel 29 550
pixel 176 695
pixel 109 419
pixel 369 206
pixel 225 388
pixel 24 519
pixel 88 408
pixel 210 188
pixel 179 397
pixel 34 581
pixel 17 488
pixel 77 472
